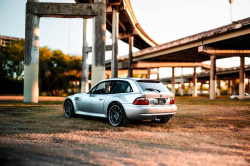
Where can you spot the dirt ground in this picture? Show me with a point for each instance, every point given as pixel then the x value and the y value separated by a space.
pixel 203 132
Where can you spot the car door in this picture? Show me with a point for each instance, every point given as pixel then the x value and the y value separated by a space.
pixel 84 101
pixel 97 98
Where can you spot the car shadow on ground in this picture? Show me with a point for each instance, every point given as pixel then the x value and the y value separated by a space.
pixel 132 124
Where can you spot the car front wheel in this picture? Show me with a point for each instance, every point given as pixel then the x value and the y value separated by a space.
pixel 68 109
pixel 117 116
pixel 236 98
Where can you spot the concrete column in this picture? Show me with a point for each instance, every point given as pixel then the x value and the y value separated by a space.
pixel 218 87
pixel 85 65
pixel 234 87
pixel 194 83
pixel 201 89
pixel 130 56
pixel 158 75
pixel 182 83
pixel 229 86
pixel 179 88
pixel 249 85
pixel 31 57
pixel 242 77
pixel 148 73
pixel 189 88
pixel 212 77
pixel 98 46
pixel 115 32
pixel 173 81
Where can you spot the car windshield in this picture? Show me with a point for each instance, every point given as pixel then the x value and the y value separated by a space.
pixel 152 86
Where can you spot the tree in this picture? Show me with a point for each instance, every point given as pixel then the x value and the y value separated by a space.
pixel 15 57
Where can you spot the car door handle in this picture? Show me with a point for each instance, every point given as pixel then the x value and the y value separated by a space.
pixel 100 98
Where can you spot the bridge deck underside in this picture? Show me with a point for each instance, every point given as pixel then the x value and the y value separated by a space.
pixel 221 75
pixel 192 54
pixel 125 25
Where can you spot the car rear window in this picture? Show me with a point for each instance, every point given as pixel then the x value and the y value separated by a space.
pixel 152 86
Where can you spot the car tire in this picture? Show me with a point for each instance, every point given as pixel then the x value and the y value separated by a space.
pixel 117 116
pixel 68 109
pixel 164 120
pixel 235 98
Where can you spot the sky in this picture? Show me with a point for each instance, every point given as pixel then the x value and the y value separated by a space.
pixel 163 20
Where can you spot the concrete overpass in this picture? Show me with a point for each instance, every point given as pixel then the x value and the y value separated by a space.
pixel 115 16
pixel 223 42
pixel 228 75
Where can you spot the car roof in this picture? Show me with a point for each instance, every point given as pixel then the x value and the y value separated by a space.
pixel 129 78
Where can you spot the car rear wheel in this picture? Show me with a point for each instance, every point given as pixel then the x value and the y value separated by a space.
pixel 117 116
pixel 68 109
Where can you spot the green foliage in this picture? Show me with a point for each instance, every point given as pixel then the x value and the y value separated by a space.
pixel 14 59
pixel 11 67
pixel 57 71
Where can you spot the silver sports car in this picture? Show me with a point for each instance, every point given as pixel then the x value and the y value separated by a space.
pixel 124 99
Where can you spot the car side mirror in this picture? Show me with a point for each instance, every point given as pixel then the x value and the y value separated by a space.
pixel 90 93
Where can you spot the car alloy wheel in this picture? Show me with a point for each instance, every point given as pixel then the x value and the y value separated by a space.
pixel 117 116
pixel 68 109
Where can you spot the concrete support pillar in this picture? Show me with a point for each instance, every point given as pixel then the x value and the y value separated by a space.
pixel 189 88
pixel 194 83
pixel 158 75
pixel 115 32
pixel 31 57
pixel 234 87
pixel 242 77
pixel 98 46
pixel 209 88
pixel 201 89
pixel 148 73
pixel 218 87
pixel 182 83
pixel 130 56
pixel 212 77
pixel 179 88
pixel 173 81
pixel 229 86
pixel 248 85
pixel 85 65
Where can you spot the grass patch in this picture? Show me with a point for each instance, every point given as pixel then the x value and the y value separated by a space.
pixel 208 131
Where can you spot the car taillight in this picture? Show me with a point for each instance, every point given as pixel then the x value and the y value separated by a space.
pixel 171 100
pixel 141 101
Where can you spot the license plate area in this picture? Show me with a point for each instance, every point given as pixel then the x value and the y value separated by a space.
pixel 159 101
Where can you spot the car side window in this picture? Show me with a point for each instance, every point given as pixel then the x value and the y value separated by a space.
pixel 103 88
pixel 122 87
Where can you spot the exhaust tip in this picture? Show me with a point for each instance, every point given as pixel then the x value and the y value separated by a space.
pixel 152 117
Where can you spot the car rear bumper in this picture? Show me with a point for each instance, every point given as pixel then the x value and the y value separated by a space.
pixel 144 112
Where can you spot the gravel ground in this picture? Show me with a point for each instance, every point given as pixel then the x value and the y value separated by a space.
pixel 200 134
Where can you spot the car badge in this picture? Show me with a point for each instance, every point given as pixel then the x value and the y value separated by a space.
pixel 161 95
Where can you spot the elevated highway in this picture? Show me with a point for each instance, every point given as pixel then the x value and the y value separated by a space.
pixel 128 24
pixel 228 75
pixel 232 40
